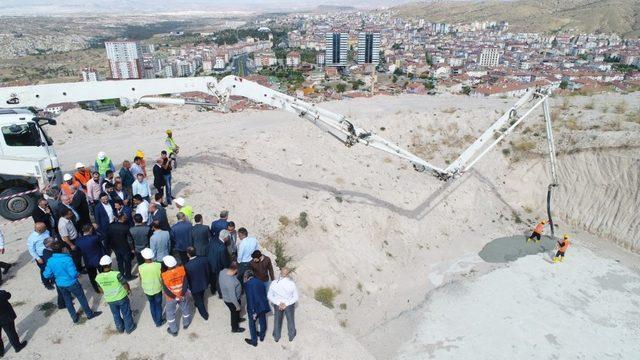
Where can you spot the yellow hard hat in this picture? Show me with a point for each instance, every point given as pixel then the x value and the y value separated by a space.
pixel 543 221
pixel 168 131
pixel 140 154
pixel 565 236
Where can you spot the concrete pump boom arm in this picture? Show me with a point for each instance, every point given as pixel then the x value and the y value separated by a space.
pixel 142 91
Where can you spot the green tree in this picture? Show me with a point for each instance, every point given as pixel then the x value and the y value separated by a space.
pixel 564 84
pixel 466 90
pixel 428 59
pixel 341 87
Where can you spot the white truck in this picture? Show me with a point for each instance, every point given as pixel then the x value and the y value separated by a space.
pixel 29 163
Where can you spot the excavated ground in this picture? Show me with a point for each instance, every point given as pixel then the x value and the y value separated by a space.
pixel 380 236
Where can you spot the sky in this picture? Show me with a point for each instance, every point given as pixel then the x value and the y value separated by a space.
pixel 39 7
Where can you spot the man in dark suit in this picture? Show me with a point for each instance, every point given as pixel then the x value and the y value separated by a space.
pixel 257 307
pixel 220 224
pixel 119 240
pixel 197 270
pixel 104 214
pixel 81 206
pixel 159 214
pixel 218 258
pixel 122 209
pixel 43 213
pixel 200 236
pixel 7 323
pixel 158 176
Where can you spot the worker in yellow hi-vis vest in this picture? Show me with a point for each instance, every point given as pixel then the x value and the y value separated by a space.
pixel 172 148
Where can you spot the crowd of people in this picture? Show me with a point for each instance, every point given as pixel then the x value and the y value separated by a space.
pixel 99 214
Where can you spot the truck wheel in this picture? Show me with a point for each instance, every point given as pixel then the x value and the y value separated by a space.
pixel 17 207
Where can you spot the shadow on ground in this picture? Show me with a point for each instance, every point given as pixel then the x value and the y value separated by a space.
pixel 511 248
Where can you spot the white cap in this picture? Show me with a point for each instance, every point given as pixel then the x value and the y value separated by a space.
pixel 147 253
pixel 169 261
pixel 67 177
pixel 179 201
pixel 101 155
pixel 79 165
pixel 105 260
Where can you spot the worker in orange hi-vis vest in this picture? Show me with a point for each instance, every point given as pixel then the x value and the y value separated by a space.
pixel 537 231
pixel 176 290
pixel 562 246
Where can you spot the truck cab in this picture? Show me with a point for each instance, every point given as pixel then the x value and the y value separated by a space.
pixel 28 162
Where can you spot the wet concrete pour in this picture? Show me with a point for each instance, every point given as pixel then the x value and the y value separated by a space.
pixel 511 248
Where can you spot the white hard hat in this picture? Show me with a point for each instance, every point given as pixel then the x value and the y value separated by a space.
pixel 101 155
pixel 67 177
pixel 179 201
pixel 105 260
pixel 169 261
pixel 79 165
pixel 147 253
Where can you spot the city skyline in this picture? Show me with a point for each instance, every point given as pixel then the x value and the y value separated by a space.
pixel 42 7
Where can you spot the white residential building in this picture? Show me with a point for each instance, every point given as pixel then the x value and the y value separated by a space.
pixel 89 74
pixel 125 59
pixel 490 57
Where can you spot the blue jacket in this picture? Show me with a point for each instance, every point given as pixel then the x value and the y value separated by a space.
pixel 182 235
pixel 101 217
pixel 257 302
pixel 218 226
pixel 91 249
pixel 197 273
pixel 127 211
pixel 61 267
pixel 217 256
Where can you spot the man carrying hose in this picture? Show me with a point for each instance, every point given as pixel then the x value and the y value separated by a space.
pixel 562 246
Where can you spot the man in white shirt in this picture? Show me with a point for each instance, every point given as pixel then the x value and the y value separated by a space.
pixel 141 187
pixel 142 207
pixel 248 244
pixel 69 234
pixel 136 168
pixel 283 294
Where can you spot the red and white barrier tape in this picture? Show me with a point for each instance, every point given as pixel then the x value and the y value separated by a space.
pixel 19 194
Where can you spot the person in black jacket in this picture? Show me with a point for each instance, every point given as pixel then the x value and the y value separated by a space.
pixel 158 176
pixel 218 259
pixel 43 213
pixel 197 269
pixel 200 236
pixel 159 214
pixel 80 204
pixel 7 323
pixel 119 240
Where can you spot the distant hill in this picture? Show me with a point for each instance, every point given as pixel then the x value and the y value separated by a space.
pixel 333 8
pixel 619 16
